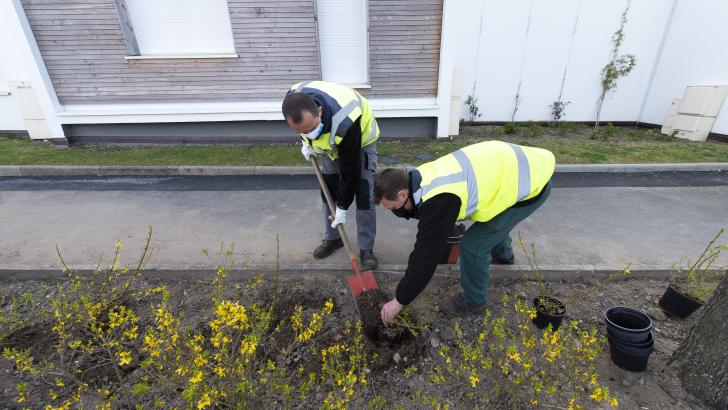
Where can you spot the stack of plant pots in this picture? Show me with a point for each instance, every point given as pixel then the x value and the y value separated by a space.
pixel 629 332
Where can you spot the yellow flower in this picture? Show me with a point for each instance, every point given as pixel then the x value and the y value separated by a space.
pixel 573 405
pixel 124 358
pixel 131 334
pixel 597 394
pixel 200 361
pixel 196 378
pixel 204 401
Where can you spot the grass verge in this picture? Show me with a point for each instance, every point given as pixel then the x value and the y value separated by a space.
pixel 571 143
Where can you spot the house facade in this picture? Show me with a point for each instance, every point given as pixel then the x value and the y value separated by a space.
pixel 216 70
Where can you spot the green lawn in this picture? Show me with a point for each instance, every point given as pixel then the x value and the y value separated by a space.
pixel 572 144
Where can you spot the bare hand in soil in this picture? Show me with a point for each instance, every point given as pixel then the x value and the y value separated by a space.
pixel 389 311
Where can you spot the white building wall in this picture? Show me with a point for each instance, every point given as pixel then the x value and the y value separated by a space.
pixel 496 48
pixel 695 53
pixel 506 50
pixel 11 65
pixel 10 119
pixel 21 61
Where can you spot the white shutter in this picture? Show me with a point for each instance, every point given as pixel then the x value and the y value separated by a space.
pixel 180 27
pixel 342 30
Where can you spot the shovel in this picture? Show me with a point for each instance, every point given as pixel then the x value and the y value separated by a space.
pixel 360 281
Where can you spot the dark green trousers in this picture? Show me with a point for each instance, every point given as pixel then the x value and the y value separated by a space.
pixel 485 240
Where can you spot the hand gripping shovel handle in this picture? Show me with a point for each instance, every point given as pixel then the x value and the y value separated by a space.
pixel 360 281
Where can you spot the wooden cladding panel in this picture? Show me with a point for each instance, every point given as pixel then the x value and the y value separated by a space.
pixel 83 47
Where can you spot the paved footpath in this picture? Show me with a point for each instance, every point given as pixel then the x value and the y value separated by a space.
pixel 594 221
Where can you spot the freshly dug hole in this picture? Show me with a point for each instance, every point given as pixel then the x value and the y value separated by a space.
pixel 370 306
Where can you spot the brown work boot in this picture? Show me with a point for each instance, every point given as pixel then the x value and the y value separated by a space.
pixel 327 247
pixel 368 260
pixel 457 306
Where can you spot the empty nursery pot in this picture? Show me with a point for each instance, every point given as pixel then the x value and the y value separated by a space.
pixel 630 358
pixel 677 304
pixel 543 319
pixel 627 324
pixel 649 342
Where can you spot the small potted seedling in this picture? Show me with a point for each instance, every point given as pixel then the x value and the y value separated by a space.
pixel 693 282
pixel 549 310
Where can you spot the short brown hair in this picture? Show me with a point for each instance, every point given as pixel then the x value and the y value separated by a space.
pixel 388 182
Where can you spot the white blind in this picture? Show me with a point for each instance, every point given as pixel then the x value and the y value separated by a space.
pixel 170 27
pixel 342 30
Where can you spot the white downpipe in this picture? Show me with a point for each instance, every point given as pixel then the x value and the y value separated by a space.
pixel 457 79
pixel 450 9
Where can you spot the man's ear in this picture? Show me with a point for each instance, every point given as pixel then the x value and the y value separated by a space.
pixel 403 194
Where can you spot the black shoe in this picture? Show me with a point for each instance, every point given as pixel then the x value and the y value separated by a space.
pixel 368 260
pixel 327 247
pixel 499 261
pixel 458 306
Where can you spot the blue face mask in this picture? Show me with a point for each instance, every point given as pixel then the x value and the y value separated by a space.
pixel 315 133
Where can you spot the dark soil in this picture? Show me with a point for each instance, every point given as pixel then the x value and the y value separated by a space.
pixel 370 305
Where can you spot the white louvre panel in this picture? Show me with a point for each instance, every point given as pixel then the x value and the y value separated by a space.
pixel 342 31
pixel 180 27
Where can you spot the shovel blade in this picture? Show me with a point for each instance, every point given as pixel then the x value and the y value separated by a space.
pixel 361 282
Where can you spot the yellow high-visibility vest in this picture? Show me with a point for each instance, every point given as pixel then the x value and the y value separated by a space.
pixel 488 177
pixel 345 105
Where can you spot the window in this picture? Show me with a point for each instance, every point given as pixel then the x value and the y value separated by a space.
pixel 343 42
pixel 181 27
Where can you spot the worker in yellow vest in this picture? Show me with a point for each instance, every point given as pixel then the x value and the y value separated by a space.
pixel 494 184
pixel 337 122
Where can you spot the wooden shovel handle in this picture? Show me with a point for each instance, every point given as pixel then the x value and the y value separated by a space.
pixel 332 210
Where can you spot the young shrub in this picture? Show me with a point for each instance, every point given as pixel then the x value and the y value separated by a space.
pixel 511 128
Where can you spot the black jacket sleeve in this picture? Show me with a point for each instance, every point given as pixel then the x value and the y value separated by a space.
pixel 437 217
pixel 349 150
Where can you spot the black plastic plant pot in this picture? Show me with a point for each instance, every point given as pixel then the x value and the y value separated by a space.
pixel 633 359
pixel 677 304
pixel 627 324
pixel 649 342
pixel 543 318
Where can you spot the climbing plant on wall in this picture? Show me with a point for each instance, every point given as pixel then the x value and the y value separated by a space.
pixel 619 65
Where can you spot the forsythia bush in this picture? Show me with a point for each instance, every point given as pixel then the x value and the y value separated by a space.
pixel 523 365
pixel 123 344
pixel 159 362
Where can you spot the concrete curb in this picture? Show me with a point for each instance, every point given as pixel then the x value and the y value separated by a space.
pixel 194 170
pixel 499 273
pixel 699 167
pixel 10 171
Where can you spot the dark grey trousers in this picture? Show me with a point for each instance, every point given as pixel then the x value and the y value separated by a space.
pixel 366 220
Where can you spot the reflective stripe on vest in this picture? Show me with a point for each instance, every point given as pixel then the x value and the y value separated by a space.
pixel 524 172
pixel 340 116
pixel 467 175
pixel 301 86
pixel 373 128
